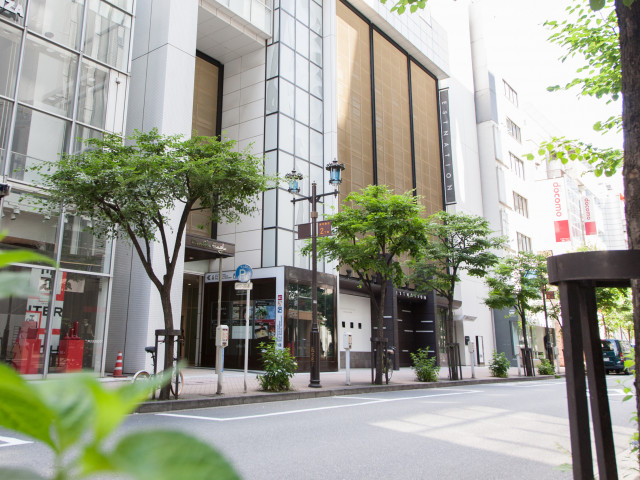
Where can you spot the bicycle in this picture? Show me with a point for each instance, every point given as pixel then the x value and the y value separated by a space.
pixel 177 379
pixel 387 362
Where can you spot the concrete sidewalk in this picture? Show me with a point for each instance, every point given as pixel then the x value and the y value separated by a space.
pixel 200 385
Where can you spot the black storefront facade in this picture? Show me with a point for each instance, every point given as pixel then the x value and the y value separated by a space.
pixel 411 321
pixel 279 310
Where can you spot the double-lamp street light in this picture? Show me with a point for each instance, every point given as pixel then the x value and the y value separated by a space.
pixel 335 172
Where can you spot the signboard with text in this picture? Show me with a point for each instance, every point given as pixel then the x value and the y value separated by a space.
pixel 588 216
pixel 557 207
pixel 447 157
pixel 323 230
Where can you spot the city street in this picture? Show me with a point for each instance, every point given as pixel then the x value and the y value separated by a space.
pixel 490 431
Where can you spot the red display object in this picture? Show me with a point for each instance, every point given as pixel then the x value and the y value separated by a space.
pixel 70 353
pixel 26 349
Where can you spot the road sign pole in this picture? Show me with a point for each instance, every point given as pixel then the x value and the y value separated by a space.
pixel 246 340
pixel 219 350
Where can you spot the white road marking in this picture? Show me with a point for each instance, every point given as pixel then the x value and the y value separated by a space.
pixel 316 409
pixel 10 441
pixel 524 384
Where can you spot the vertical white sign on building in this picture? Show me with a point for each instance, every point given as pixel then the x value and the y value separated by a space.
pixel 557 208
pixel 588 216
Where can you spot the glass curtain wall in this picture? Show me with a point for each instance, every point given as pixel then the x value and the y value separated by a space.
pixel 64 73
pixel 293 129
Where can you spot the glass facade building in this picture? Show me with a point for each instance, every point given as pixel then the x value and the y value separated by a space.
pixel 64 73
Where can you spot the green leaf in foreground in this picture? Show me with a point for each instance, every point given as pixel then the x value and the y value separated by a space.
pixel 145 456
pixel 16 474
pixel 9 257
pixel 22 410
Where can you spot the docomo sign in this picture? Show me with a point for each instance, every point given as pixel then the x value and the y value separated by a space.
pixel 561 221
pixel 12 6
pixel 557 201
pixel 589 223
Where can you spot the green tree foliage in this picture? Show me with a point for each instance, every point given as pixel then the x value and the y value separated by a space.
pixel 135 190
pixel 516 282
pixel 76 416
pixel 373 229
pixel 605 161
pixel 456 243
pixel 616 310
pixel 592 36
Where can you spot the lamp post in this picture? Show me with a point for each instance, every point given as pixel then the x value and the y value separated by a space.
pixel 335 170
pixel 547 344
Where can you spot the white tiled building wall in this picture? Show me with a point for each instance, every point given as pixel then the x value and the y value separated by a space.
pixel 161 95
pixel 243 120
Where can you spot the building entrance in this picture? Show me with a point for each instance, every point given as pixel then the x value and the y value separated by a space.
pixel 262 322
pixel 190 316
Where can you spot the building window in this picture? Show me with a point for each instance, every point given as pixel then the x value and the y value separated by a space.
pixel 510 93
pixel 524 243
pixel 514 130
pixel 520 205
pixel 504 222
pixel 517 165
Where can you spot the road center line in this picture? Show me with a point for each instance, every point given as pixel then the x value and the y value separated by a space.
pixel 316 409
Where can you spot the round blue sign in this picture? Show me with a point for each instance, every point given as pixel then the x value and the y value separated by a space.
pixel 244 273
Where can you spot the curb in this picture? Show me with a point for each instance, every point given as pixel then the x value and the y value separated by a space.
pixel 222 401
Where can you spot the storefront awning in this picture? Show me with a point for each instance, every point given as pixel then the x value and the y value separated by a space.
pixel 203 248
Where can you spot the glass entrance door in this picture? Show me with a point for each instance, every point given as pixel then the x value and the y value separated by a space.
pixel 189 318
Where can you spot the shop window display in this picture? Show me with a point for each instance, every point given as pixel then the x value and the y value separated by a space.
pixel 65 333
pixel 298 333
pixel 76 316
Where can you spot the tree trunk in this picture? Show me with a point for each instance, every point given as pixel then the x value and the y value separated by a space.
pixel 169 351
pixel 380 333
pixel 629 24
pixel 527 366
pixel 449 339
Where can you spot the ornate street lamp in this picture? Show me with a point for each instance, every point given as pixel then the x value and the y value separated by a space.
pixel 293 180
pixel 335 170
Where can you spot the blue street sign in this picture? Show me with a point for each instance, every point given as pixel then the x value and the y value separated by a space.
pixel 244 273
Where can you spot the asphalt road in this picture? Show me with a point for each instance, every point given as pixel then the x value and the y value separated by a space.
pixel 491 431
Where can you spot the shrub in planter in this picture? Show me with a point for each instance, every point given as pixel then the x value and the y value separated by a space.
pixel 425 365
pixel 545 368
pixel 279 367
pixel 499 366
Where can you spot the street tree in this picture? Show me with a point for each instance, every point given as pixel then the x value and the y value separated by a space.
pixel 516 282
pixel 614 307
pixel 144 189
pixel 372 230
pixel 457 243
